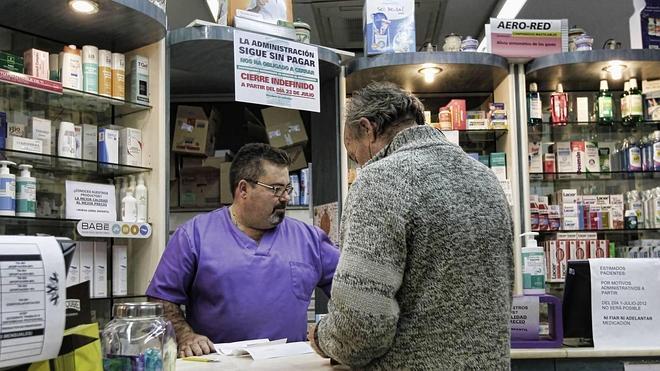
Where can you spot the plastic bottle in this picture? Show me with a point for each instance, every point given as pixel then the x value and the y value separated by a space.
pixel 533 260
pixel 654 151
pixel 623 155
pixel 131 184
pixel 129 208
pixel 122 192
pixel 605 106
pixel 635 103
pixel 142 199
pixel 26 193
pixel 7 189
pixel 634 156
pixel 625 107
pixel 559 106
pixel 534 105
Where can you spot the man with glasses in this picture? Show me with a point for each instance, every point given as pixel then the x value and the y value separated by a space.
pixel 244 271
pixel 425 275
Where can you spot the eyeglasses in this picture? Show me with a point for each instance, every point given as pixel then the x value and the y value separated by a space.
pixel 278 191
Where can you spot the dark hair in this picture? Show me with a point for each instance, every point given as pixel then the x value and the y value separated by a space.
pixel 248 162
pixel 386 105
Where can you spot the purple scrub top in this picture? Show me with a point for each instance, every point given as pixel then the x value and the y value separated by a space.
pixel 237 289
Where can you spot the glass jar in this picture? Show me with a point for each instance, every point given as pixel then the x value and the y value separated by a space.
pixel 138 338
pixel 452 43
pixel 469 44
pixel 303 31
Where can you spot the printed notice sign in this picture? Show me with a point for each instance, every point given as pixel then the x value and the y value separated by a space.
pixel 625 303
pixel 276 72
pixel 528 38
pixel 90 201
pixel 525 317
pixel 32 299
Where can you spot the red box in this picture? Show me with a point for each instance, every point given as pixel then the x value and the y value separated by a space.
pixel 458 114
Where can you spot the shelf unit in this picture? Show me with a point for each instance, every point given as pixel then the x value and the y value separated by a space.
pixel 123 26
pixel 580 73
pixel 479 78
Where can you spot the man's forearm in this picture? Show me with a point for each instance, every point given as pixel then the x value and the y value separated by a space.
pixel 174 314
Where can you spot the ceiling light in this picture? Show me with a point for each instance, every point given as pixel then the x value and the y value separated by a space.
pixel 615 69
pixel 84 6
pixel 429 73
pixel 510 9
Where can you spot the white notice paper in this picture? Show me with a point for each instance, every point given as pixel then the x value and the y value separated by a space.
pixel 279 350
pixel 32 299
pixel 625 304
pixel 525 317
pixel 238 348
pixel 90 201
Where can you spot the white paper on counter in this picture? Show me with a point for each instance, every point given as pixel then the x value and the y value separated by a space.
pixel 625 303
pixel 279 350
pixel 239 348
pixel 32 299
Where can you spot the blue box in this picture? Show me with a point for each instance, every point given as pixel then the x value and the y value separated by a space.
pixel 389 26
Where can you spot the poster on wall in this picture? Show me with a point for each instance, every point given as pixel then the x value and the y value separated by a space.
pixel 90 201
pixel 625 304
pixel 276 72
pixel 528 38
pixel 650 22
pixel 326 217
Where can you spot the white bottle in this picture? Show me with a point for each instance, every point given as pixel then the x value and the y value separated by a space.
pixel 533 260
pixel 66 140
pixel 71 65
pixel 26 193
pixel 7 189
pixel 141 197
pixel 129 208
pixel 131 184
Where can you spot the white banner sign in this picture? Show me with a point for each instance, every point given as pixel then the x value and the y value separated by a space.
pixel 88 228
pixel 33 299
pixel 525 317
pixel 276 72
pixel 625 303
pixel 90 201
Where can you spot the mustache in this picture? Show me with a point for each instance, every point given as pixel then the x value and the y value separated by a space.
pixel 281 206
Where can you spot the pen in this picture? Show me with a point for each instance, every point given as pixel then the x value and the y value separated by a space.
pixel 199 359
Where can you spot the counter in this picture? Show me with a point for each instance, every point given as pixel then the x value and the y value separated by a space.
pixel 521 359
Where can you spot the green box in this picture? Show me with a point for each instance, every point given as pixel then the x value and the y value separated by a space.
pixel 497 159
pixel 11 62
pixel 485 159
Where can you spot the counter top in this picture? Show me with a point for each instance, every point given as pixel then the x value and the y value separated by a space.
pixel 313 361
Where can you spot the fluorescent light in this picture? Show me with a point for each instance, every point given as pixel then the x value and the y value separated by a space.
pixel 429 72
pixel 84 6
pixel 510 9
pixel 615 69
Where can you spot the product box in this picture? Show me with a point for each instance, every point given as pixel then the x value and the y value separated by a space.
pixel 40 129
pixel 36 63
pixel 138 79
pixel 476 120
pixel 498 165
pixel 270 11
pixel 569 210
pixel 458 114
pixel 582 110
pixel 617 217
pixel 3 129
pixel 79 137
pixel 73 274
pixel 389 26
pixel 89 142
pixel 535 157
pixel 590 200
pixel 193 132
pixel 294 198
pixel 581 250
pixel 485 159
pixel 86 249
pixel 616 199
pixel 549 165
pixel 305 186
pixel 602 200
pixel 497 116
pixel 284 127
pixel 119 270
pixel 559 251
pixel 604 159
pixel 100 270
pixel 564 158
pixel 130 147
pixel 592 160
pixel 24 144
pixel 16 129
pixel 578 156
pixel 200 187
pixel 566 196
pixel 11 62
pixel 108 147
pixel 297 157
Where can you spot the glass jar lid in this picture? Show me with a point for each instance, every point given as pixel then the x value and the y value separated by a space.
pixel 136 310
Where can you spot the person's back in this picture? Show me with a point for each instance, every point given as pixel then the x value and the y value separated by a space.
pixel 454 300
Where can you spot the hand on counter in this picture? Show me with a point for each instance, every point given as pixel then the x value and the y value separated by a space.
pixel 313 340
pixel 195 345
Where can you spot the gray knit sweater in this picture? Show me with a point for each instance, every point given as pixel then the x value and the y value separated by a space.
pixel 425 274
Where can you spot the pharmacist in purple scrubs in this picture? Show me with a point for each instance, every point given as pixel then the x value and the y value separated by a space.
pixel 244 271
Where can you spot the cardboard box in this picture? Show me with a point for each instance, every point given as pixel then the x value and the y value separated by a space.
pixel 284 127
pixel 40 129
pixel 458 114
pixel 389 26
pixel 108 146
pixel 297 156
pixel 535 158
pixel 16 129
pixel 194 133
pixel 24 144
pixel 36 63
pixel 498 117
pixel 578 156
pixel 200 187
pixel 563 157
pixel 271 12
pixel 100 269
pixel 592 160
pixel 11 62
pixel 130 147
pixel 90 142
pixel 138 79
pixel 549 164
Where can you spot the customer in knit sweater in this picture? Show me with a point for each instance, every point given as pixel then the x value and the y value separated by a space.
pixel 425 273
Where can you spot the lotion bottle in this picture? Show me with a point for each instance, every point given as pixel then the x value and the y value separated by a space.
pixel 129 208
pixel 533 260
pixel 141 197
pixel 7 189
pixel 26 193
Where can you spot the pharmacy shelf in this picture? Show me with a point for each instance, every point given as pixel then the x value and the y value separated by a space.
pixel 119 297
pixel 546 234
pixel 462 72
pixel 202 61
pixel 478 136
pixel 582 71
pixel 38 222
pixel 590 177
pixel 209 209
pixel 44 94
pixel 592 129
pixel 119 25
pixel 63 165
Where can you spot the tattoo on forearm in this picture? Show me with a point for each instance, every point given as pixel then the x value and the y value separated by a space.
pixel 174 314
